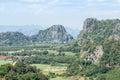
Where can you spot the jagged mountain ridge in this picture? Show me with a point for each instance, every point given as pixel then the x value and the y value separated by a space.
pixel 54 34
pixel 30 30
pixel 95 35
pixel 98 30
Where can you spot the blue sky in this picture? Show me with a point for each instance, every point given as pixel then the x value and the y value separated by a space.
pixel 70 13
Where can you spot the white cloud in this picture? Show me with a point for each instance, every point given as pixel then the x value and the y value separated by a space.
pixel 100 0
pixel 111 12
pixel 38 9
pixel 96 2
pixel 2 7
pixel 54 1
pixel 35 6
pixel 42 8
pixel 118 1
pixel 103 13
pixel 36 1
pixel 32 1
pixel 89 1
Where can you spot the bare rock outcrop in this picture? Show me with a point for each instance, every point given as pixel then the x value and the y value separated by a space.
pixel 93 57
pixel 54 34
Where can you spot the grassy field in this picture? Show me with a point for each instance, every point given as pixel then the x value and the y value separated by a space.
pixel 48 68
pixel 41 66
pixel 52 51
pixel 55 52
pixel 56 69
pixel 69 53
pixel 60 78
pixel 2 61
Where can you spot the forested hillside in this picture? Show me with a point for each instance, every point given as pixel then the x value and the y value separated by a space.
pixel 54 34
pixel 99 43
pixel 97 31
pixel 11 38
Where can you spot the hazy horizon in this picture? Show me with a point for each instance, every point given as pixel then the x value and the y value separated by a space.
pixel 70 13
pixel 33 29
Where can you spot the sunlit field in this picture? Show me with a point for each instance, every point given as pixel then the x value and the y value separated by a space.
pixel 2 61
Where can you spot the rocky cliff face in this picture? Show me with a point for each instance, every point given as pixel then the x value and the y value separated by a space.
pixel 114 37
pixel 94 57
pixel 89 25
pixel 54 34
pixel 98 30
pixel 95 33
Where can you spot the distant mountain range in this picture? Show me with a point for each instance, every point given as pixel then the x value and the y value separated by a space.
pixel 54 34
pixel 33 29
pixel 25 29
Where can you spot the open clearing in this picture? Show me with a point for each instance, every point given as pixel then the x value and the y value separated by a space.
pixel 60 78
pixel 45 69
pixel 48 68
pixel 2 61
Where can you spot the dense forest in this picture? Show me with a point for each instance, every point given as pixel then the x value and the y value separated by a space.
pixel 21 71
pixel 99 55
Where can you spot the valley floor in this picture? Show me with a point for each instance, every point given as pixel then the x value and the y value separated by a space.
pixel 46 68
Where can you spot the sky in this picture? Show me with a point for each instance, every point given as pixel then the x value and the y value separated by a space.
pixel 70 13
